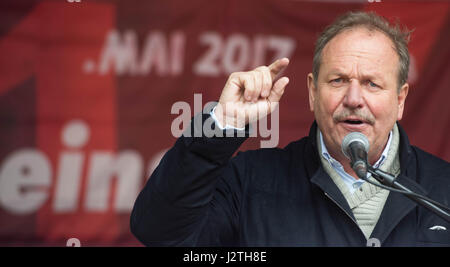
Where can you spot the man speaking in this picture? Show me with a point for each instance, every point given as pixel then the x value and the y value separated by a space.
pixel 305 194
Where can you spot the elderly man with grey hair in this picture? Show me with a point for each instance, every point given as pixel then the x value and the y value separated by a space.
pixel 305 194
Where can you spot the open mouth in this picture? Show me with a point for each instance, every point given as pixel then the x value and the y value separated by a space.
pixel 355 122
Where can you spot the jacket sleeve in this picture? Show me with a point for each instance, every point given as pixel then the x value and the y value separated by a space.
pixel 192 197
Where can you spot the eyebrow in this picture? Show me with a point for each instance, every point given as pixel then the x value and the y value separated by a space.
pixel 371 76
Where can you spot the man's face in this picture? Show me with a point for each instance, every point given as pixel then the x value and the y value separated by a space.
pixel 357 90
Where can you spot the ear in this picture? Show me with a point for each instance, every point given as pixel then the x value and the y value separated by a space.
pixel 401 100
pixel 311 90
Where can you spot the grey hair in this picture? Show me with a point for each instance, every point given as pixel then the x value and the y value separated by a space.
pixel 371 21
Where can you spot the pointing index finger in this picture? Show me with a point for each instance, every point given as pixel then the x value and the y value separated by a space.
pixel 277 66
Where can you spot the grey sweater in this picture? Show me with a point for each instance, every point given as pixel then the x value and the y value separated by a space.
pixel 368 201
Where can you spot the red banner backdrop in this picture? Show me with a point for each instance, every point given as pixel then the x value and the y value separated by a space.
pixel 88 90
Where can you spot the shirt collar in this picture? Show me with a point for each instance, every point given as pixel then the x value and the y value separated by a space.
pixel 335 163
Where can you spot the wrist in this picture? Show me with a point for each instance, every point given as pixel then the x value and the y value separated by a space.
pixel 225 122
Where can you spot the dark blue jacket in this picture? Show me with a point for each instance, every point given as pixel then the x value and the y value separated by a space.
pixel 200 196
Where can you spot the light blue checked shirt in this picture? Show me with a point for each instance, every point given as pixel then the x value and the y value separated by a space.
pixel 352 183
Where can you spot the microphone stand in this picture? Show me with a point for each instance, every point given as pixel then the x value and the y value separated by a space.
pixel 388 179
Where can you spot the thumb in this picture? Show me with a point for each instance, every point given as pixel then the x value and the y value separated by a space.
pixel 278 89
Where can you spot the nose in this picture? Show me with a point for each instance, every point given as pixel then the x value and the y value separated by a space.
pixel 353 98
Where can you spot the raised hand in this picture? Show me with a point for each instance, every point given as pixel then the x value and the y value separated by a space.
pixel 249 96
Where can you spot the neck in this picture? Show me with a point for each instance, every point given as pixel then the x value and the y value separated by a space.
pixel 372 160
pixel 345 162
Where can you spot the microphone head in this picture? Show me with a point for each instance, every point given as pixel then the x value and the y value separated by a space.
pixel 354 137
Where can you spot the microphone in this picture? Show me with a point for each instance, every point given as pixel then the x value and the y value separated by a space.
pixel 355 147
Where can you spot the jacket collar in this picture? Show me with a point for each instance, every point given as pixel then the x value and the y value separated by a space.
pixel 319 177
pixel 397 205
pixel 408 163
pixel 407 166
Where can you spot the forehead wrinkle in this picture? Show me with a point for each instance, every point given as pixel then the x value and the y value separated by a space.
pixel 363 59
pixel 354 69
